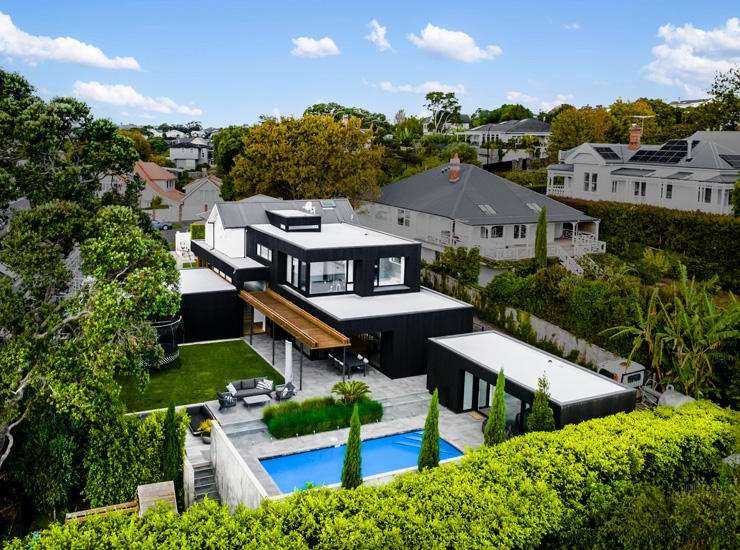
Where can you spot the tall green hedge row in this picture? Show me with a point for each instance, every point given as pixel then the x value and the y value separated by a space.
pixel 544 488
pixel 708 243
pixel 317 415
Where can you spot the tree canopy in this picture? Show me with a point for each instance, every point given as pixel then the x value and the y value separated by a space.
pixel 507 111
pixel 309 157
pixel 375 121
pixel 444 107
pixel 575 126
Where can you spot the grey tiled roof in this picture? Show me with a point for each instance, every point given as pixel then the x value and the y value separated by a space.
pixel 523 126
pixel 433 193
pixel 250 212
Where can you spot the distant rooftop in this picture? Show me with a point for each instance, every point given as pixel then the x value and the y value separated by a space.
pixel 333 235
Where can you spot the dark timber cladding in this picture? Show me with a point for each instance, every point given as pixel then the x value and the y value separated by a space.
pixel 211 316
pixel 447 368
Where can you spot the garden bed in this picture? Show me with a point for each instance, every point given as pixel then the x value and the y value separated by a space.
pixel 319 414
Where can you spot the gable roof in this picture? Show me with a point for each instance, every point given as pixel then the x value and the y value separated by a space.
pixel 252 212
pixel 432 192
pixel 200 182
pixel 524 126
pixel 151 172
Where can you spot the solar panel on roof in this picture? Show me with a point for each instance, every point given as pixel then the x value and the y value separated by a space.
pixel 607 153
pixel 732 160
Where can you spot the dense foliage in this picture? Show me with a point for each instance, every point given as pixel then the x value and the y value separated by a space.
pixel 352 465
pixel 540 489
pixel 507 111
pixel 534 179
pixel 197 231
pixel 351 391
pixel 459 262
pixel 318 414
pixel 705 243
pixel 130 452
pixel 429 452
pixel 540 240
pixel 311 157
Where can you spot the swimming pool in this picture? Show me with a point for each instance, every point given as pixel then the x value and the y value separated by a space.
pixel 324 466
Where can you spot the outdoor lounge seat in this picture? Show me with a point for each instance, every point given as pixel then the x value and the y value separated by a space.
pixel 197 414
pixel 248 387
pixel 225 400
pixel 284 391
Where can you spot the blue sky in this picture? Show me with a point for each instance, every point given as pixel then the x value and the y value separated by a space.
pixel 225 62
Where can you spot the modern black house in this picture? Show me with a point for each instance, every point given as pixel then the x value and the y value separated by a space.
pixel 464 369
pixel 306 271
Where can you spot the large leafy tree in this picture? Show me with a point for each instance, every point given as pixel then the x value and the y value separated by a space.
pixel 444 107
pixel 374 121
pixel 76 314
pixel 142 145
pixel 55 149
pixel 723 112
pixel 308 157
pixel 575 126
pixel 228 144
pixel 507 111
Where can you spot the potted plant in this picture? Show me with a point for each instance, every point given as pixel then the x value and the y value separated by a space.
pixel 205 431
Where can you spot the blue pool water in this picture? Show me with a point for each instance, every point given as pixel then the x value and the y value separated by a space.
pixel 324 466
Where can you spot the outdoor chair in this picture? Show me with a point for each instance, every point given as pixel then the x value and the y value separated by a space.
pixel 225 400
pixel 284 392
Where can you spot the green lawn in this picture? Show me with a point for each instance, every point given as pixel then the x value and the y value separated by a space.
pixel 203 370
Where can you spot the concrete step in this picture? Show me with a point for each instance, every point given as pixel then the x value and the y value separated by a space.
pixel 248 427
pixel 204 481
pixel 213 495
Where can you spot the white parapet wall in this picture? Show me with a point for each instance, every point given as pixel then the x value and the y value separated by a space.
pixel 188 483
pixel 235 481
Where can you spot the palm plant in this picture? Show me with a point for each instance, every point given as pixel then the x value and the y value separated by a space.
pixel 351 391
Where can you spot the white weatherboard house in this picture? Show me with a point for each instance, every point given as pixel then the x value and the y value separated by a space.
pixel 190 154
pixel 507 133
pixel 696 173
pixel 463 205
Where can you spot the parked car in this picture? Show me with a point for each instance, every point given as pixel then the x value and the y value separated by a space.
pixel 156 224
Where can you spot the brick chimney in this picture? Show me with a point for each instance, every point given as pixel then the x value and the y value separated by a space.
pixel 453 169
pixel 635 135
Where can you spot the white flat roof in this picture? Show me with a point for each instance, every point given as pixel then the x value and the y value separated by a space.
pixel 193 281
pixel 524 365
pixel 333 235
pixel 236 263
pixel 352 306
pixel 292 213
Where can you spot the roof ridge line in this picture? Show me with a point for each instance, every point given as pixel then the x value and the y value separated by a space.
pixel 462 192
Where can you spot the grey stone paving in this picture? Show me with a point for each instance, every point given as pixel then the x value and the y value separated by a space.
pixel 404 400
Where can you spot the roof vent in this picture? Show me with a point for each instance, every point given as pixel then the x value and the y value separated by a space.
pixel 309 207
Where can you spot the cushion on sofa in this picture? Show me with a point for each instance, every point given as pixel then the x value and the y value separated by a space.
pixel 231 388
pixel 265 384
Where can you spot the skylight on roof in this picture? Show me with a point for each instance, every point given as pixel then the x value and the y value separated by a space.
pixel 327 203
pixel 534 206
pixel 487 209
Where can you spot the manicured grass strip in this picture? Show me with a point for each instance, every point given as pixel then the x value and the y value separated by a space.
pixel 203 370
pixel 319 414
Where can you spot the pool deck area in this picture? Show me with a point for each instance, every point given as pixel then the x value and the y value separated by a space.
pixel 405 402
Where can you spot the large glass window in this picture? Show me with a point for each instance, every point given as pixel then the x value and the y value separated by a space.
pixel 331 276
pixel 389 271
pixel 295 272
pixel 264 252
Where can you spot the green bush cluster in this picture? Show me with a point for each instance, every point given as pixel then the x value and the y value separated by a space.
pixel 318 414
pixel 126 454
pixel 197 231
pixel 541 489
pixel 707 243
pixel 534 179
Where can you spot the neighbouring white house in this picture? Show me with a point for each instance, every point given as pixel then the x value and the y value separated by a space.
pixel 175 134
pixel 189 154
pixel 686 103
pixel 159 187
pixel 200 196
pixel 696 173
pixel 509 135
pixel 464 205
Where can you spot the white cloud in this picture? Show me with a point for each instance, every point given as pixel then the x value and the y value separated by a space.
pixel 453 44
pixel 572 26
pixel 126 96
pixel 689 57
pixel 537 103
pixel 16 43
pixel 377 35
pixel 310 47
pixel 423 88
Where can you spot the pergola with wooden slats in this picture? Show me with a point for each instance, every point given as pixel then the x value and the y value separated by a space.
pixel 131 507
pixel 304 327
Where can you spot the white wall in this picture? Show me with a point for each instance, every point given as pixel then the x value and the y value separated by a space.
pixel 228 241
pixel 235 481
pixel 188 483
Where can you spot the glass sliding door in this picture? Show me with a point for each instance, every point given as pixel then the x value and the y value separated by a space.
pixel 468 391
pixel 483 394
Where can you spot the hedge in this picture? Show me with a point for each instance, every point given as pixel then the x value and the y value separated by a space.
pixel 197 231
pixel 319 414
pixel 707 243
pixel 533 179
pixel 540 489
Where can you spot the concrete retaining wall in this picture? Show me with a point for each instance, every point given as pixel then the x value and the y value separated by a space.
pixel 188 483
pixel 235 481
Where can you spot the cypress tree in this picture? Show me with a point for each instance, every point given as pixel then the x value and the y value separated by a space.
pixel 352 467
pixel 495 431
pixel 540 240
pixel 171 451
pixel 541 419
pixel 429 452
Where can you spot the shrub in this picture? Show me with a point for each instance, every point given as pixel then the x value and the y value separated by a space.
pixel 429 452
pixel 197 231
pixel 317 415
pixel 495 431
pixel 540 489
pixel 351 391
pixel 541 419
pixel 534 179
pixel 352 466
pixel 540 242
pixel 705 242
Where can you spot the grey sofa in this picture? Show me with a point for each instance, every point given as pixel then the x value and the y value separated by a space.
pixel 248 387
